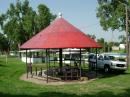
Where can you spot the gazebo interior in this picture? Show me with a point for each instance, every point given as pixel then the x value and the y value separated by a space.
pixel 61 65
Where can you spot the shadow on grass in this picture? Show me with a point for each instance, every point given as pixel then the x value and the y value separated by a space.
pixel 1 65
pixel 112 73
pixel 60 94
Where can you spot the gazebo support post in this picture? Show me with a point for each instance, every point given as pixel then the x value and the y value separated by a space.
pixel 80 63
pixel 49 59
pixel 70 64
pixel 47 65
pixel 30 64
pixel 89 68
pixel 96 62
pixel 60 60
pixel 43 57
pixel 30 56
pixel 26 64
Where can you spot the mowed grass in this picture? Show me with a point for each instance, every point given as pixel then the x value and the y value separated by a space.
pixel 11 86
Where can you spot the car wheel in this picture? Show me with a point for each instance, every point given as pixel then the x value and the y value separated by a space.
pixel 122 71
pixel 106 69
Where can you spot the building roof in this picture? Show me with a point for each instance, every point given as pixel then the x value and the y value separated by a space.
pixel 60 34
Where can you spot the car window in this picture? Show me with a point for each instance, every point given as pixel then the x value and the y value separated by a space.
pixel 94 57
pixel 111 57
pixel 100 57
pixel 91 56
pixel 106 58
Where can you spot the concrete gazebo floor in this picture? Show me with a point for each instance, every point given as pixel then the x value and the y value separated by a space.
pixel 43 80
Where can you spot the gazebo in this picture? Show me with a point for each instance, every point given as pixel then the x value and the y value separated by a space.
pixel 60 35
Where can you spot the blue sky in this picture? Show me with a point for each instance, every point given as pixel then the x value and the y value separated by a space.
pixel 80 13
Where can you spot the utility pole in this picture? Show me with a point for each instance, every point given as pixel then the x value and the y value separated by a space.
pixel 127 43
pixel 127 33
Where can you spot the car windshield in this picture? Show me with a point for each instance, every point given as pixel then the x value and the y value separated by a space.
pixel 107 58
pixel 111 57
pixel 117 58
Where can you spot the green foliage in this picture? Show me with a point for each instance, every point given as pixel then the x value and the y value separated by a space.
pixel 112 14
pixel 2 18
pixel 3 43
pixel 43 14
pixel 106 46
pixel 21 22
pixel 122 39
pixel 92 36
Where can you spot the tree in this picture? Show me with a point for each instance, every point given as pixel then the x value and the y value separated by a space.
pixel 101 41
pixel 3 43
pixel 44 17
pixel 2 18
pixel 21 22
pixel 110 44
pixel 112 15
pixel 92 36
pixel 122 39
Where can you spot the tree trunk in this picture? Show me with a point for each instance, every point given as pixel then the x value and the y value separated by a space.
pixel 128 54
pixel 19 46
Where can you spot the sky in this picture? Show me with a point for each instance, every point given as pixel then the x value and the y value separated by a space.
pixel 80 13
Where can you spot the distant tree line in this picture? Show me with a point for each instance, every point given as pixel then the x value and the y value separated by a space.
pixel 106 46
pixel 21 22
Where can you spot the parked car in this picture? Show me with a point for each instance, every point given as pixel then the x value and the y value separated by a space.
pixel 109 61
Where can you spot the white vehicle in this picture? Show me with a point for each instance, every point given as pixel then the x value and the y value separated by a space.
pixel 109 62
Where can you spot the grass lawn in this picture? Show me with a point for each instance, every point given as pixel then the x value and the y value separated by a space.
pixel 11 86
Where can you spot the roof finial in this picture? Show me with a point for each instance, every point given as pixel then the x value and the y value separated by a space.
pixel 60 15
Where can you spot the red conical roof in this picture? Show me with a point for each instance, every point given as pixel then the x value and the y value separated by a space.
pixel 60 34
